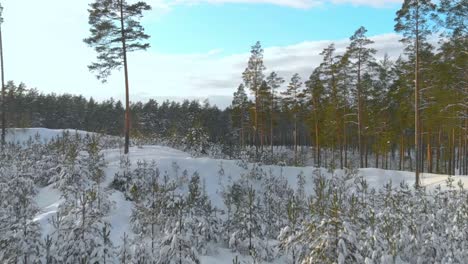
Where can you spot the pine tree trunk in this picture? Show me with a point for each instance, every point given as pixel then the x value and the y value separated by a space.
pixel 361 160
pixel 438 151
pixel 386 158
pixel 261 128
pixel 317 135
pixel 366 150
pixel 345 146
pixel 459 151
pixel 421 148
pixel 295 138
pixel 453 151
pixel 402 152
pixel 449 154
pixel 465 166
pixel 242 132
pixel 256 124
pixel 127 100
pixel 376 159
pixel 3 91
pixel 416 102
pixel 271 121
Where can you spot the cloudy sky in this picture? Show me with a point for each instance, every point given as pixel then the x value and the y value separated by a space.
pixel 199 48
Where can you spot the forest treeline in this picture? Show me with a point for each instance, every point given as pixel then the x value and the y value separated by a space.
pixel 353 106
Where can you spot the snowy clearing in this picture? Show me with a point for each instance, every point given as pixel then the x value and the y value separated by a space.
pixel 49 198
pixel 218 178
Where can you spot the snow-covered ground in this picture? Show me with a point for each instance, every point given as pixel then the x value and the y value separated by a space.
pixel 49 198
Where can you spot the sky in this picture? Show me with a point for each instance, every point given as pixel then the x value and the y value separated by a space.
pixel 199 48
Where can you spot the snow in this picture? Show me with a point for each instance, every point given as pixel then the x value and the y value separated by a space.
pixel 49 199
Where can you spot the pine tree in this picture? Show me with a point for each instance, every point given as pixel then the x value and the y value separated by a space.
pixel 453 69
pixel 105 250
pixel 176 245
pixel 413 21
pixel 240 110
pixel 314 93
pixel 124 254
pixel 274 82
pixel 331 75
pixel 253 77
pixel 361 59
pixel 264 102
pixel 293 101
pixel 20 240
pixel 115 30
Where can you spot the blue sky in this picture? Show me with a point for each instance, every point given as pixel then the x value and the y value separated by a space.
pixel 233 27
pixel 199 47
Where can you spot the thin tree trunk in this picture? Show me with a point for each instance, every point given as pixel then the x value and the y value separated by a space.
pixel 429 152
pixel 453 151
pixel 3 90
pixel 127 95
pixel 271 119
pixel 256 124
pixel 449 150
pixel 317 137
pixel 438 151
pixel 459 151
pixel 366 150
pixel 465 151
pixel 295 138
pixel 416 101
pixel 386 158
pixel 402 152
pixel 376 159
pixel 361 161
pixel 345 146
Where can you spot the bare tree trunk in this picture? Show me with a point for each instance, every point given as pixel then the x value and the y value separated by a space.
pixel 449 150
pixel 271 119
pixel 366 150
pixel 242 140
pixel 421 147
pixel 459 151
pixel 402 152
pixel 438 152
pixel 377 159
pixel 256 124
pixel 127 95
pixel 386 158
pixel 295 138
pixel 416 101
pixel 261 128
pixel 428 152
pixel 345 146
pixel 361 160
pixel 317 135
pixel 453 151
pixel 465 151
pixel 3 89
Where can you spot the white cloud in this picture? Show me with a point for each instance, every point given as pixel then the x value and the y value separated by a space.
pixel 44 48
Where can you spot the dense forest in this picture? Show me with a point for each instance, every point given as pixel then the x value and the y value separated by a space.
pixel 353 106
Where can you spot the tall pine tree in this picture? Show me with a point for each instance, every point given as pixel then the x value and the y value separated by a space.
pixel 116 30
pixel 414 22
